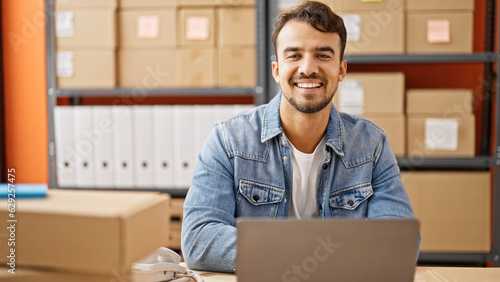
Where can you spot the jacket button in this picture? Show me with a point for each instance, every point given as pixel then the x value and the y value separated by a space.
pixel 256 197
pixel 325 166
pixel 350 203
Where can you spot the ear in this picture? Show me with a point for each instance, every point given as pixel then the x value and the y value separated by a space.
pixel 342 70
pixel 275 69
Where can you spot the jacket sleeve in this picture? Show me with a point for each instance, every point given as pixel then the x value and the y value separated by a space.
pixel 389 199
pixel 208 234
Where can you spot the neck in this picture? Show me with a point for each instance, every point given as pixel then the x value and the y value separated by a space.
pixel 305 131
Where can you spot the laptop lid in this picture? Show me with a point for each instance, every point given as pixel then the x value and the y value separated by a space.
pixel 326 250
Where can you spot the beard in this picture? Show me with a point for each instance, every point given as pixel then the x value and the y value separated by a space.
pixel 309 108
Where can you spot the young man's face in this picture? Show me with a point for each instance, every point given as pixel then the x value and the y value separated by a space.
pixel 308 67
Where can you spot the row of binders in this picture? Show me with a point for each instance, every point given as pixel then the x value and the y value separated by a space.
pixel 133 147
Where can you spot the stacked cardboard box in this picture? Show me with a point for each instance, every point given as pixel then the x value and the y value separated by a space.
pixel 440 123
pixel 147 42
pixel 236 44
pixel 85 43
pixel 403 26
pixel 453 208
pixel 443 26
pixel 373 27
pixel 380 98
pixel 161 44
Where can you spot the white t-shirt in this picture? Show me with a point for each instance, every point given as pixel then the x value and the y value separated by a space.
pixel 305 169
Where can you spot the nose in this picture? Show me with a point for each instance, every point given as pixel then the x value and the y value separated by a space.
pixel 308 66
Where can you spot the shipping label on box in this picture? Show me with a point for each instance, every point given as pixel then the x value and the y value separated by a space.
pixel 352 96
pixel 236 26
pixel 441 136
pixel 197 27
pixel 371 93
pixel 453 208
pixel 439 101
pixel 380 32
pixel 147 28
pixel 86 28
pixel 147 68
pixel 85 68
pixel 444 32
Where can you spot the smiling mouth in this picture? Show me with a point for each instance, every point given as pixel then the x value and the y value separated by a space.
pixel 309 85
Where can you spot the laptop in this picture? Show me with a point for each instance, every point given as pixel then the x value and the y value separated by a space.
pixel 326 250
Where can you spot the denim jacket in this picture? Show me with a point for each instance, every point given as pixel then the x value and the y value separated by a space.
pixel 244 169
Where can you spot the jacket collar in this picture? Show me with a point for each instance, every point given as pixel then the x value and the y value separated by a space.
pixel 271 125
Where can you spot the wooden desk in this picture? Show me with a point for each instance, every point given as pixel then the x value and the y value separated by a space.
pixel 422 274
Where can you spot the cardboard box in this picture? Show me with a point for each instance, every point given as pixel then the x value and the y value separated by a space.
pixel 381 32
pixel 371 93
pixel 147 68
pixel 447 273
pixel 237 67
pixel 85 68
pixel 177 213
pixel 25 274
pixel 197 27
pixel 450 5
pixel 148 3
pixel 444 32
pixel 454 209
pixel 379 5
pixel 148 27
pixel 441 136
pixel 439 101
pixel 233 3
pixel 198 3
pixel 85 4
pixel 395 127
pixel 91 232
pixel 85 27
pixel 236 26
pixel 196 67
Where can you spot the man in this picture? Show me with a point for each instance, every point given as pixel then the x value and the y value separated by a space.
pixel 296 156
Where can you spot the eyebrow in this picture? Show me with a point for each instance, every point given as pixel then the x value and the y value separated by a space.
pixel 322 49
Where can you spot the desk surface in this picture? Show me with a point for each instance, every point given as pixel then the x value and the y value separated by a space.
pixel 422 274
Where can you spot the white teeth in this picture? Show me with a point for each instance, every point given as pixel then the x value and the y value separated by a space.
pixel 308 85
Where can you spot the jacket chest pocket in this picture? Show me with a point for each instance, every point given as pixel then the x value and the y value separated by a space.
pixel 351 202
pixel 257 199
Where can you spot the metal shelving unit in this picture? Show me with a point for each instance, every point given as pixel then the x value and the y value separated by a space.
pixel 258 92
pixel 424 58
pixel 486 161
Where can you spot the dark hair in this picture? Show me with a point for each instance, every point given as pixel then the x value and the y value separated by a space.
pixel 319 16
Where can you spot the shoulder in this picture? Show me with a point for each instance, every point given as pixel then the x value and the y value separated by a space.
pixel 354 124
pixel 362 139
pixel 241 133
